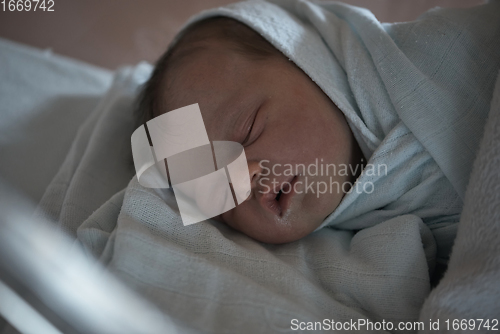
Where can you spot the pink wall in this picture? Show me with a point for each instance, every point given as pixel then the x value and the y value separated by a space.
pixel 111 33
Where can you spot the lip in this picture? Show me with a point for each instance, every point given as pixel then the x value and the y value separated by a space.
pixel 279 207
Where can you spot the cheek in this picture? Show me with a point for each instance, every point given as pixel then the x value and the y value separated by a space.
pixel 305 137
pixel 321 125
pixel 330 140
pixel 320 206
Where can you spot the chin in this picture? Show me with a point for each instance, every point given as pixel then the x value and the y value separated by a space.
pixel 278 236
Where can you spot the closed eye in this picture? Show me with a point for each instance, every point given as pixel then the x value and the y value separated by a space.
pixel 249 133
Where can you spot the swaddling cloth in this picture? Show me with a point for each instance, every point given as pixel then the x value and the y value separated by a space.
pixel 416 96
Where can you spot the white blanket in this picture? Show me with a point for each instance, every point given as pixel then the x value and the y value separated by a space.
pixel 44 99
pixel 209 276
pixel 215 279
pixel 471 287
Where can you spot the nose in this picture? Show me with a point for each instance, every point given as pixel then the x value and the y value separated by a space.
pixel 255 171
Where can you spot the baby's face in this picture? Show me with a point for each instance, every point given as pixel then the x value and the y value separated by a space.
pixel 284 121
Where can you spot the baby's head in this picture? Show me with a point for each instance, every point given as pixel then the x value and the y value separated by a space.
pixel 250 93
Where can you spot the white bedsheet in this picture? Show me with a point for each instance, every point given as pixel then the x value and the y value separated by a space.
pixel 44 98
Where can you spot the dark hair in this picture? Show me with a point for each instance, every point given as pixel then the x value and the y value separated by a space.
pixel 241 38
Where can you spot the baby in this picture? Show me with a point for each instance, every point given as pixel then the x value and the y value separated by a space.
pixel 250 93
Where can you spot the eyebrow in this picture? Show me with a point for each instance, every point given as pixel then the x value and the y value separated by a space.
pixel 227 119
pixel 228 123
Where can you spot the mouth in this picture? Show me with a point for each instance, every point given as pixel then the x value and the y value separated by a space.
pixel 278 200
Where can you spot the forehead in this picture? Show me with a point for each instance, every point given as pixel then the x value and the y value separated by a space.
pixel 221 81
